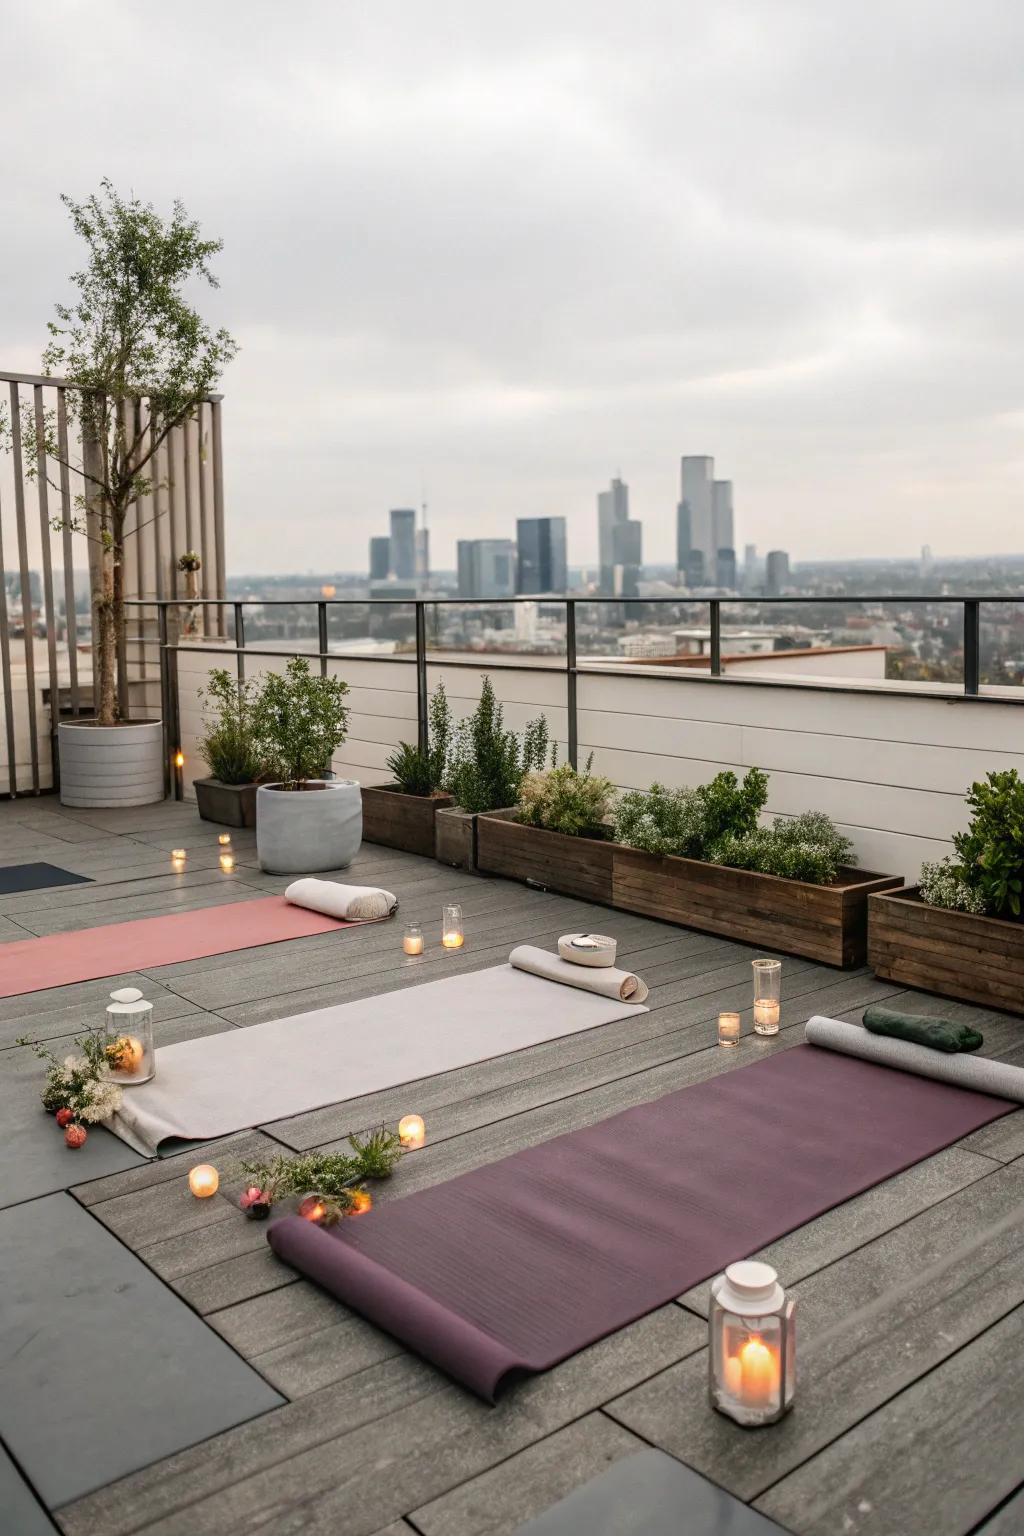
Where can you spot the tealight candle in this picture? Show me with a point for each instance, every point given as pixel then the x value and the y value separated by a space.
pixel 452 935
pixel 362 1201
pixel 767 996
pixel 413 941
pixel 178 857
pixel 227 862
pixel 225 839
pixel 728 1029
pixel 179 759
pixel 766 1016
pixel 312 1208
pixel 203 1181
pixel 411 1131
pixel 126 1054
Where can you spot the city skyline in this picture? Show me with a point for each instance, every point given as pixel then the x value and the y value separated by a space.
pixel 830 298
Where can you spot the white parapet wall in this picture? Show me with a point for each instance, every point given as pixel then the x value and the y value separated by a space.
pixel 890 766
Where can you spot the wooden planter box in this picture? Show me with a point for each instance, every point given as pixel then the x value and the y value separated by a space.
pixel 398 820
pixel 978 959
pixel 573 866
pixel 231 805
pixel 822 922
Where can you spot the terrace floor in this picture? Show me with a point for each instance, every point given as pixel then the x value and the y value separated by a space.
pixel 909 1416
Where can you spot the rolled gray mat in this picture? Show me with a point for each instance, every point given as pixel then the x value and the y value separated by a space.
pixel 978 1072
pixel 606 981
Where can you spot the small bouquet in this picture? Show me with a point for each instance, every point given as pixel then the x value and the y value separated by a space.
pixel 79 1088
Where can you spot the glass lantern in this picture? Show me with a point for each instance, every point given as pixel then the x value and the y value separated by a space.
pixel 767 996
pixel 129 1037
pixel 452 933
pixel 751 1344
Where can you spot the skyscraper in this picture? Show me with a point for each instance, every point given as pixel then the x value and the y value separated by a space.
pixel 487 567
pixel 542 564
pixel 684 543
pixel 776 572
pixel 696 485
pixel 380 558
pixel 722 521
pixel 628 555
pixel 612 512
pixel 725 569
pixel 403 544
pixel 422 557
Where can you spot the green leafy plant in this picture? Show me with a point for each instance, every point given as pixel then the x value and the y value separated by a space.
pixel 81 1081
pixel 985 875
pixel 128 340
pixel 302 721
pixel 488 763
pixel 230 744
pixel 808 847
pixel 419 772
pixel 689 823
pixel 335 1176
pixel 564 800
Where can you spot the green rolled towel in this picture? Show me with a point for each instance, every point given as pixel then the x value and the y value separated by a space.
pixel 940 1034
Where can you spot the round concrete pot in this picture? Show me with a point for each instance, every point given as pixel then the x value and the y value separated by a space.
pixel 300 831
pixel 110 765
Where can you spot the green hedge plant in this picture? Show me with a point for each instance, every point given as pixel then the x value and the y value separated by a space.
pixel 985 875
pixel 488 763
pixel 230 744
pixel 565 800
pixel 689 823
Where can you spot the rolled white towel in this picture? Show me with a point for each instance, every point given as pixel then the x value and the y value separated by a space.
pixel 350 903
pixel 981 1073
pixel 606 981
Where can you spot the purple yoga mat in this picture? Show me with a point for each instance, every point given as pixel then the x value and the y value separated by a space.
pixel 519 1264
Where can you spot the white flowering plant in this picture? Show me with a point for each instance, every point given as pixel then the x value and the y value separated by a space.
pixel 81 1084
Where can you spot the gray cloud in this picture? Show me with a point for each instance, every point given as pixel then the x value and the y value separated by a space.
pixel 507 251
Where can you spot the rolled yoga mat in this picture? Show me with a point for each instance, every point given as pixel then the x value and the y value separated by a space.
pixel 352 903
pixel 937 1034
pixel 605 981
pixel 58 959
pixel 521 1263
pixel 244 1077
pixel 979 1073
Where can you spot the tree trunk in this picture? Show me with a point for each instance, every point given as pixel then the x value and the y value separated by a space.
pixel 120 649
pixel 105 647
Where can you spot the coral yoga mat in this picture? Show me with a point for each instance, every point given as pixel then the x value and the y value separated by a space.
pixel 519 1264
pixel 57 959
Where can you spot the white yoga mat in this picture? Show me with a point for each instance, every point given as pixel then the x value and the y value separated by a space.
pixel 605 981
pixel 963 1069
pixel 245 1077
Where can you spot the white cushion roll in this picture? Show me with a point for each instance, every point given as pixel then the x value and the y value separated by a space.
pixel 349 903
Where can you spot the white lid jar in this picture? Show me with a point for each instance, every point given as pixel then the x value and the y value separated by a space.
pixel 751 1344
pixel 129 1036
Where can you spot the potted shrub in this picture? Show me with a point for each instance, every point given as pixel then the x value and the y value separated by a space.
pixel 557 837
pixel 304 821
pixel 232 750
pixel 138 359
pixel 487 768
pixel 960 932
pixel 401 814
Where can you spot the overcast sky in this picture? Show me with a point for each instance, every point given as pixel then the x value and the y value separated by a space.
pixel 492 254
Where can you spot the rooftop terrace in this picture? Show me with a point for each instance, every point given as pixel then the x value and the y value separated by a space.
pixel 909 1418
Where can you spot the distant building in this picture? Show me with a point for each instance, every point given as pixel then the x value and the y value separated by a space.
pixel 637 647
pixel 750 567
pixel 380 558
pixel 927 563
pixel 403 544
pixel 725 569
pixel 628 555
pixel 486 567
pixel 423 557
pixel 684 543
pixel 776 572
pixel 612 512
pixel 541 565
pixel 696 480
pixel 722 529
pixel 694 575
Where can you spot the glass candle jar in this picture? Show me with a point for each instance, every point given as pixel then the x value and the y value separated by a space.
pixel 412 1132
pixel 413 940
pixel 728 1029
pixel 767 996
pixel 128 1036
pixel 751 1344
pixel 452 934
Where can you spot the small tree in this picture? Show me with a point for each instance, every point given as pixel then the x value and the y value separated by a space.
pixel 488 763
pixel 300 721
pixel 129 340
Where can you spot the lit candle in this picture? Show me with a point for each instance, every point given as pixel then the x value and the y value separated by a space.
pixel 452 935
pixel 766 1015
pixel 759 1372
pixel 227 862
pixel 362 1201
pixel 313 1208
pixel 126 1054
pixel 225 839
pixel 179 759
pixel 728 1029
pixel 411 1131
pixel 203 1181
pixel 453 940
pixel 413 942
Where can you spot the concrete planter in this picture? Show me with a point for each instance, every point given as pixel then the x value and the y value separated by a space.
pixel 110 765
pixel 303 831
pixel 399 820
pixel 231 805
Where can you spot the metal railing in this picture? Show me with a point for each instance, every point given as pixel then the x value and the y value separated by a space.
pixel 422 655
